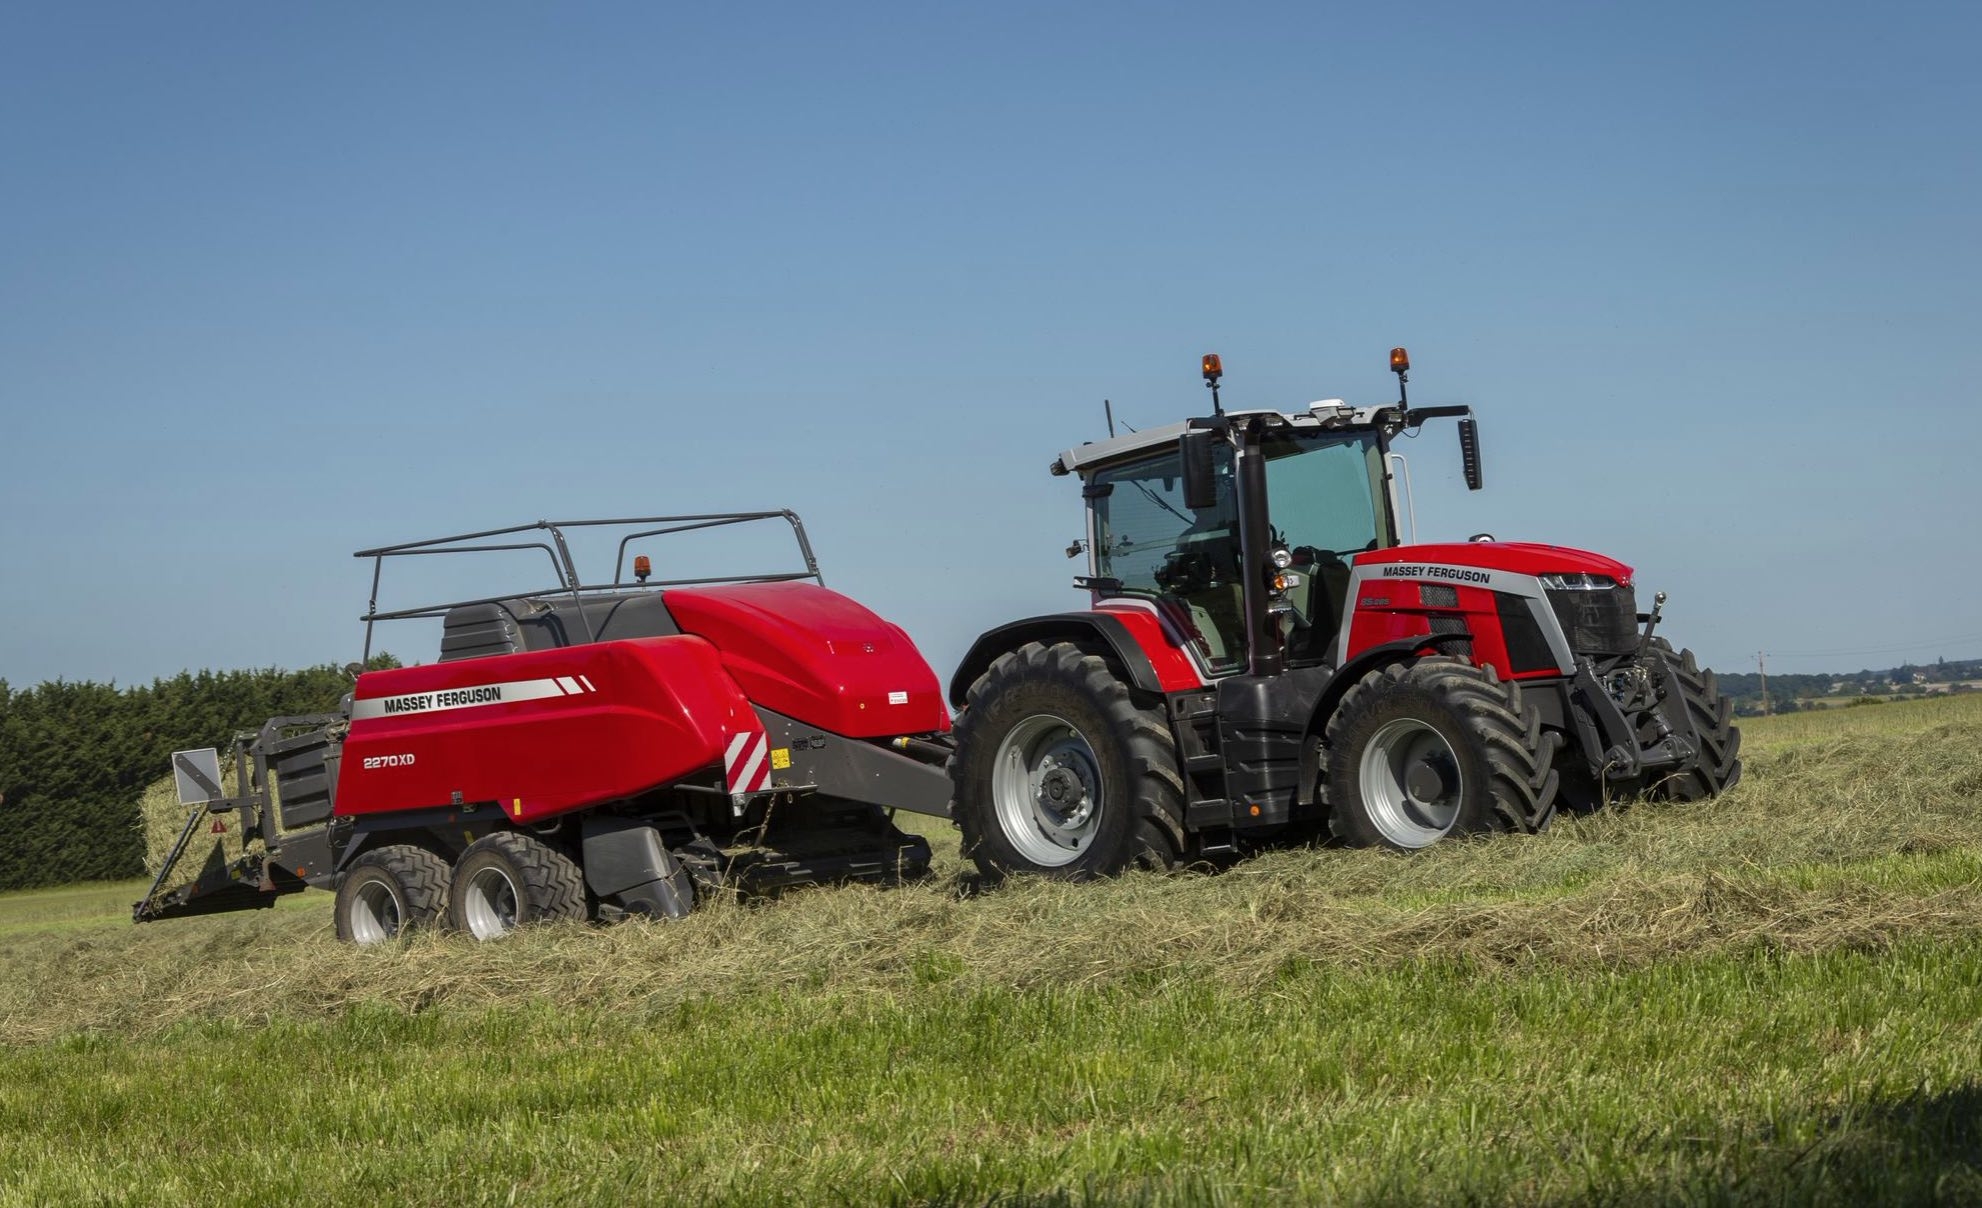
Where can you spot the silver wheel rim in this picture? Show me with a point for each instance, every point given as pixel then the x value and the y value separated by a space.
pixel 1411 783
pixel 373 915
pixel 1046 786
pixel 490 904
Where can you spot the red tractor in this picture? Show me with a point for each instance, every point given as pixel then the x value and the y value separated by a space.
pixel 1264 659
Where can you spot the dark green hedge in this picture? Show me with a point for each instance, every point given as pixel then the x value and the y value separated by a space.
pixel 75 757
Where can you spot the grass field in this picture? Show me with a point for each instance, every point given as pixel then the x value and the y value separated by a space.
pixel 1768 998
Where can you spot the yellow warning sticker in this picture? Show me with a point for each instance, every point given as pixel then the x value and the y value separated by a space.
pixel 780 758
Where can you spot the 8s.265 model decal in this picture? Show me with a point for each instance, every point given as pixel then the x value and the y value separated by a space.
pixel 470 697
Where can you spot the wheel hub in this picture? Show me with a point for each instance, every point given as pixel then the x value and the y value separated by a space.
pixel 1425 780
pixel 373 916
pixel 491 904
pixel 1046 787
pixel 1411 783
pixel 1061 792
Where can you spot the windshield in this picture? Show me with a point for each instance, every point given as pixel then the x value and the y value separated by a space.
pixel 1326 498
pixel 1186 561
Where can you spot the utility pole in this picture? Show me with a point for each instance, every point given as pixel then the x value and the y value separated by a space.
pixel 1762 662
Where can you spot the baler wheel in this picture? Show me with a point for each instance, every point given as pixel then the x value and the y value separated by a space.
pixel 1435 747
pixel 508 879
pixel 1059 772
pixel 1712 716
pixel 388 892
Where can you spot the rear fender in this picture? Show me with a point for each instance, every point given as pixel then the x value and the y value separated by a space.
pixel 1133 642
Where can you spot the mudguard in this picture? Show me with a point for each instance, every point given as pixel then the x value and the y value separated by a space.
pixel 1142 650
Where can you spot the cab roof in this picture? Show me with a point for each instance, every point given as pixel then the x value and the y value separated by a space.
pixel 1330 413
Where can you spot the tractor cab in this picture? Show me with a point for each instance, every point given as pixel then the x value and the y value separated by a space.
pixel 1239 529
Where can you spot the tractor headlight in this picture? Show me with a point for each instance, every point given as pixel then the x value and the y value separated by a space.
pixel 1282 557
pixel 1576 582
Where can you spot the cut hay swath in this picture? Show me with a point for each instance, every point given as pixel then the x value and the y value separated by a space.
pixel 1842 841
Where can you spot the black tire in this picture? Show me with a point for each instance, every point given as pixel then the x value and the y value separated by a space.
pixel 388 892
pixel 509 880
pixel 1712 716
pixel 1435 747
pixel 1058 771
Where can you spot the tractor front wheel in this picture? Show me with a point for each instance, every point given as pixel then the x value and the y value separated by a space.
pixel 390 891
pixel 1059 772
pixel 1712 716
pixel 508 879
pixel 1434 747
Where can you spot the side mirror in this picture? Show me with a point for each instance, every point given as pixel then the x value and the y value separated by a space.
pixel 1469 452
pixel 1195 450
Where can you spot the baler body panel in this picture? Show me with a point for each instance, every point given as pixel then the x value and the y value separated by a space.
pixel 814 655
pixel 541 733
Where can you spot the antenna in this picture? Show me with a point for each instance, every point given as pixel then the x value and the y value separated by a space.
pixel 1109 408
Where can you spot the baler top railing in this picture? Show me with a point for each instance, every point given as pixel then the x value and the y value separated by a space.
pixel 566 569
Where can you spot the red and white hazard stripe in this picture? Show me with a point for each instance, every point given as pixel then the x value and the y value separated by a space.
pixel 747 762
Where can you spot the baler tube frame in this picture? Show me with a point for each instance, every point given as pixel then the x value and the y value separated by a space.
pixel 565 568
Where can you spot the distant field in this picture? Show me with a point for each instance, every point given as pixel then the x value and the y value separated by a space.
pixel 1769 998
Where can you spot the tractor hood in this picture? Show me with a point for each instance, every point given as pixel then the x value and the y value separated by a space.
pixel 1515 557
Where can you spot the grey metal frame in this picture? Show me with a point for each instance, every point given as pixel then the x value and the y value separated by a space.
pixel 251 801
pixel 559 552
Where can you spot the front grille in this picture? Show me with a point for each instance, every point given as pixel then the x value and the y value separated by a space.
pixel 1597 622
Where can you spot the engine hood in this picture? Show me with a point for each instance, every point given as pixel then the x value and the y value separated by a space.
pixel 1515 557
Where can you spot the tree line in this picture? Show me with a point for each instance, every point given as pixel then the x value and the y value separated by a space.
pixel 75 758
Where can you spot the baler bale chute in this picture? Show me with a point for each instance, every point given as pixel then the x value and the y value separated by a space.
pixel 591 750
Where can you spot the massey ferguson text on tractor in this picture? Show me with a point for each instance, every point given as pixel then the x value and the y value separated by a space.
pixel 1264 659
pixel 590 750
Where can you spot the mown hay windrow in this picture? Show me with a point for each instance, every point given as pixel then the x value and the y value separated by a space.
pixel 1853 843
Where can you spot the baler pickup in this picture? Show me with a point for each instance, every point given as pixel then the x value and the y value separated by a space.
pixel 281 772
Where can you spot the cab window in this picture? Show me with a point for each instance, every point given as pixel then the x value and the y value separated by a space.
pixel 1187 561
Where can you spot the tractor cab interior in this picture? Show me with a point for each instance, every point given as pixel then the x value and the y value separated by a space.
pixel 1185 560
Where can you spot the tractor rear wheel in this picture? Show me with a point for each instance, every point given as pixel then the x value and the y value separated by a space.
pixel 388 892
pixel 1435 747
pixel 508 879
pixel 1059 772
pixel 1712 716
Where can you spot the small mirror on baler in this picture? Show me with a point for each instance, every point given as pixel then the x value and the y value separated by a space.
pixel 1195 451
pixel 1469 453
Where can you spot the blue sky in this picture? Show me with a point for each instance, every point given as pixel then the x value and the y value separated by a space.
pixel 277 283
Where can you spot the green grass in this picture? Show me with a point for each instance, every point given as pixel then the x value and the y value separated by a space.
pixel 1770 998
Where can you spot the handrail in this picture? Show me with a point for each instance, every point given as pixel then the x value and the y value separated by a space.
pixel 565 569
